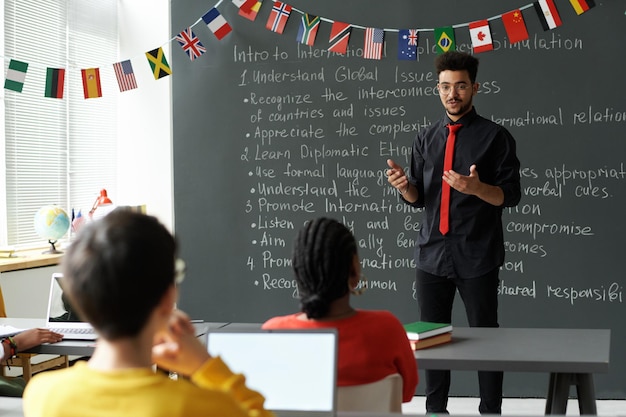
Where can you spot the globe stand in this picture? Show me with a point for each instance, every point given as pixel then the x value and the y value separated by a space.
pixel 53 250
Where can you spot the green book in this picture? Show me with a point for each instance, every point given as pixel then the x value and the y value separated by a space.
pixel 423 329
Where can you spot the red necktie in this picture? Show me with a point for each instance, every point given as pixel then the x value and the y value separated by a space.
pixel 445 187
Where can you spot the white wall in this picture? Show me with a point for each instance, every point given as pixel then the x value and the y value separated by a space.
pixel 145 144
pixel 25 292
pixel 145 114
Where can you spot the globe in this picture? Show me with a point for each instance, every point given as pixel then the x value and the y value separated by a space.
pixel 51 223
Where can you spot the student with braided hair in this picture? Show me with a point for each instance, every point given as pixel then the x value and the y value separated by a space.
pixel 372 344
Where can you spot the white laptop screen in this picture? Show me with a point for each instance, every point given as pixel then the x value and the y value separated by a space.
pixel 59 307
pixel 294 370
pixel 62 317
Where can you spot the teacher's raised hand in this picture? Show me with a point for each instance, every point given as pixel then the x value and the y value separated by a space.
pixel 396 176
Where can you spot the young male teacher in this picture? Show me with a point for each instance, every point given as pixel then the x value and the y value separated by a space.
pixel 463 171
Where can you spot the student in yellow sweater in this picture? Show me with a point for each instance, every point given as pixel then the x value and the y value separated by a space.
pixel 121 275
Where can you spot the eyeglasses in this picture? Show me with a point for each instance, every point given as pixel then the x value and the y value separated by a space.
pixel 444 89
pixel 179 271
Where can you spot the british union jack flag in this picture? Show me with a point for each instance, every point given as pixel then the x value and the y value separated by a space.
pixel 190 44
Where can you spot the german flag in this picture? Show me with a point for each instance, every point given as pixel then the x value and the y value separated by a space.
pixel 55 78
pixel 581 6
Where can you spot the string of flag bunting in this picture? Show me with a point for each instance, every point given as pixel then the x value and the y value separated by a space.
pixel 340 32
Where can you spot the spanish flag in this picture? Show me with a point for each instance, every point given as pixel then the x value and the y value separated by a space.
pixel 581 6
pixel 91 82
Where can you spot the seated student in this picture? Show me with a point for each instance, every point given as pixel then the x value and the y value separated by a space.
pixel 14 387
pixel 121 275
pixel 372 344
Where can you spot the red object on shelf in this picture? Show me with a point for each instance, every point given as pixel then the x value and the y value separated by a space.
pixel 101 200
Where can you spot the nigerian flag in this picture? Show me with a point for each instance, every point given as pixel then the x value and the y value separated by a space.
pixel 16 74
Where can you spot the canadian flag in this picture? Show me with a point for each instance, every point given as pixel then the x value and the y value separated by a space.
pixel 481 36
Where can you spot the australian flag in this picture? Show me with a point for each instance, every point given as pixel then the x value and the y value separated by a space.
pixel 407 44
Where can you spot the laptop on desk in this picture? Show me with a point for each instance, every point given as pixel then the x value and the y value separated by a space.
pixel 62 318
pixel 295 370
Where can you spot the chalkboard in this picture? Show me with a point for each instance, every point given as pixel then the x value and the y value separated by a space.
pixel 269 132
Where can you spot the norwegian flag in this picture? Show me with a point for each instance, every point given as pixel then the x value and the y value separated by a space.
pixel 190 43
pixel 278 17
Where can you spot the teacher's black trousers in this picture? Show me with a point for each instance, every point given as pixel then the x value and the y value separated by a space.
pixel 435 297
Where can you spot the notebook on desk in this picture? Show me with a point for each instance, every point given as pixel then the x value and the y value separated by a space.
pixel 295 370
pixel 62 318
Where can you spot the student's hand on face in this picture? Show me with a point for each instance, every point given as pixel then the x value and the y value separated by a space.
pixel 177 348
pixel 34 337
pixel 181 323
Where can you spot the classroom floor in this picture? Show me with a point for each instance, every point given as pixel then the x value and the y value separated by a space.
pixel 515 407
pixel 12 407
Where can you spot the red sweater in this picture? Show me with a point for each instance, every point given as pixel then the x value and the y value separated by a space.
pixel 372 345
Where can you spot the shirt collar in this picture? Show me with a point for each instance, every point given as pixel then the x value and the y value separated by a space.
pixel 466 120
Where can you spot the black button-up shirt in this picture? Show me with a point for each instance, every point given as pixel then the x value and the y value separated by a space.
pixel 475 243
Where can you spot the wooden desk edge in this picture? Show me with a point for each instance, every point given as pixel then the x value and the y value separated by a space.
pixel 29 259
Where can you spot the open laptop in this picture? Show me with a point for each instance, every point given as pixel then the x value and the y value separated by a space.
pixel 295 370
pixel 62 318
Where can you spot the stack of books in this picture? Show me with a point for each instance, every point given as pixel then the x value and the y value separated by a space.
pixel 423 334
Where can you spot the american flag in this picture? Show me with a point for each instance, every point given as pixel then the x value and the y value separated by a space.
pixel 373 43
pixel 278 17
pixel 125 75
pixel 190 43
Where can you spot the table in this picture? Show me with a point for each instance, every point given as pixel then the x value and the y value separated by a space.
pixel 570 356
pixel 29 259
pixel 80 347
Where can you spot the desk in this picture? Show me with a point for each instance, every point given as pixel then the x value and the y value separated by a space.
pixel 80 347
pixel 571 356
pixel 29 259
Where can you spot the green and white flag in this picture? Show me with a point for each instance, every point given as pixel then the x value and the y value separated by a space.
pixel 16 74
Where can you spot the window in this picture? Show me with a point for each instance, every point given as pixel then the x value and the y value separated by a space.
pixel 57 151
